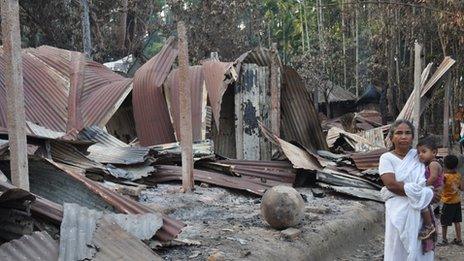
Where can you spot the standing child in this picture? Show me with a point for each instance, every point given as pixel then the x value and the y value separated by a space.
pixel 427 150
pixel 451 198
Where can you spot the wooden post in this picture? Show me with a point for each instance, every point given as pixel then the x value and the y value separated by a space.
pixel 186 135
pixel 275 91
pixel 417 86
pixel 15 93
pixel 86 39
pixel 446 112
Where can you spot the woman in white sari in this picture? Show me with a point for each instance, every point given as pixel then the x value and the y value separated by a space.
pixel 405 194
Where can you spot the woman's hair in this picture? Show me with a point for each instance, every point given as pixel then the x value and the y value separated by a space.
pixel 428 142
pixel 395 125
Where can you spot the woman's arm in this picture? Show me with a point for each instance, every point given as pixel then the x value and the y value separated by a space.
pixel 435 170
pixel 394 186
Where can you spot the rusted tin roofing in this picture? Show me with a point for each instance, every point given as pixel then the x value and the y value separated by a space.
pixel 260 56
pixel 174 173
pixel 108 149
pixel 299 157
pixel 80 225
pixel 171 227
pixel 369 160
pixel 218 76
pixel 196 84
pixel 98 135
pixel 280 171
pixel 151 113
pixel 62 94
pixel 38 246
pixel 300 121
pixel 113 243
pixel 364 193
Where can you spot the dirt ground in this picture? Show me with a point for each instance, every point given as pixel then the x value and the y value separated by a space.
pixel 228 224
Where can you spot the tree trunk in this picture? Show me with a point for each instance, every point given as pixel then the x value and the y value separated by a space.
pixel 122 26
pixel 344 45
pixel 357 49
pixel 306 25
pixel 86 38
pixel 302 28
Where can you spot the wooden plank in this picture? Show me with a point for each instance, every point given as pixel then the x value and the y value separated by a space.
pixel 186 134
pixel 15 93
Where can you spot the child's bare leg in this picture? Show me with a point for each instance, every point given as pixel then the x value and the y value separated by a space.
pixel 444 232
pixel 426 217
pixel 457 228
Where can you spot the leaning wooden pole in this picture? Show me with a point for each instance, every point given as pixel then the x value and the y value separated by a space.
pixel 446 112
pixel 15 93
pixel 186 135
pixel 417 86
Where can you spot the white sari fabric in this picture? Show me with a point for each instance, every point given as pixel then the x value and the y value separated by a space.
pixel 402 213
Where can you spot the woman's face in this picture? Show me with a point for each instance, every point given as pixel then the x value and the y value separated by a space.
pixel 402 136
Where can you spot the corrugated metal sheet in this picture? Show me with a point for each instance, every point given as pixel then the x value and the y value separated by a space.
pixel 142 227
pixel 355 192
pixel 98 135
pixel 113 243
pixel 368 160
pixel 80 225
pixel 357 142
pixel 338 179
pixel 218 76
pixel 43 132
pixel 15 216
pixel 151 113
pixel 171 227
pixel 174 173
pixel 49 91
pixel 53 180
pixel 196 84
pixel 280 171
pixel 38 246
pixel 41 207
pixel 76 232
pixel 300 121
pixel 300 158
pixel 260 56
pixel 201 149
pixel 118 155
